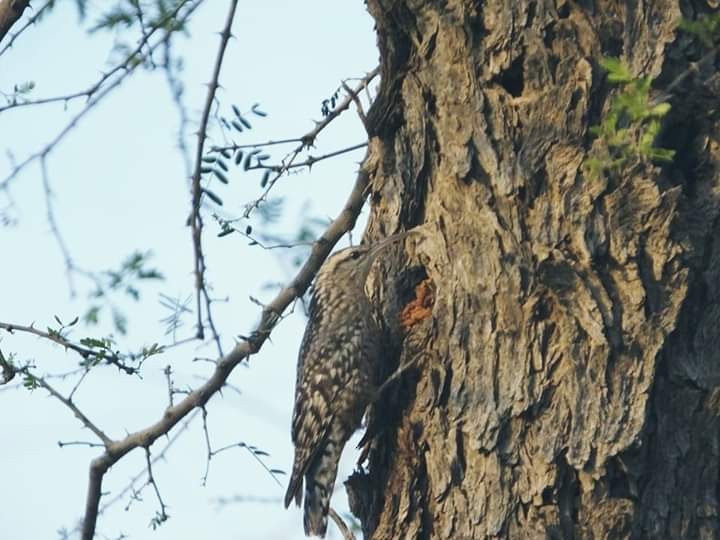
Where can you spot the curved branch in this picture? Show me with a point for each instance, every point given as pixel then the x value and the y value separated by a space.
pixel 251 345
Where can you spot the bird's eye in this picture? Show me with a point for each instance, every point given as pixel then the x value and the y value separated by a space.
pixel 355 254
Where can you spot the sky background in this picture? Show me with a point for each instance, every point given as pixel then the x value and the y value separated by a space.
pixel 120 186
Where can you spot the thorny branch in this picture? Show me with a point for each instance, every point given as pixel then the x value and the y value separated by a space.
pixel 306 141
pixel 310 161
pixel 25 26
pixel 194 401
pixel 199 397
pixel 85 352
pixel 196 221
pixel 102 88
pixel 67 401
pixel 130 61
pixel 157 456
pixel 61 376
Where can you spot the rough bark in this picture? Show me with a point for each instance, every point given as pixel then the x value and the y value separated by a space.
pixel 569 382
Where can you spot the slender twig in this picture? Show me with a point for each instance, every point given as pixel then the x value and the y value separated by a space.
pixel 123 68
pixel 307 140
pixel 196 221
pixel 95 94
pixel 224 367
pixel 156 457
pixel 25 26
pixel 170 386
pixel 50 376
pixel 50 212
pixel 89 444
pixel 234 147
pixel 358 105
pixel 255 453
pixel 163 516
pixel 10 13
pixel 208 446
pixel 85 352
pixel 107 441
pixel 310 161
pixel 78 383
pixel 255 242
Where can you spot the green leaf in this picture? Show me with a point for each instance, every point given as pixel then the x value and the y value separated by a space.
pixel 220 176
pixel 120 322
pixel 217 200
pixel 257 111
pixel 660 110
pixel 94 343
pixel 617 70
pixel 30 382
pixel 92 315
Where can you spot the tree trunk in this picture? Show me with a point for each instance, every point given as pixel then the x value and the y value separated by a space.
pixel 564 385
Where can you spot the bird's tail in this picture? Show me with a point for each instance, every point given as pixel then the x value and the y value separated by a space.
pixel 294 490
pixel 319 483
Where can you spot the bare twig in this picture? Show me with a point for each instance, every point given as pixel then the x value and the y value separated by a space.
pixel 358 105
pixel 208 446
pixel 156 457
pixel 25 26
pixel 234 147
pixel 196 221
pixel 10 12
pixel 171 388
pixel 63 444
pixel 255 453
pixel 224 367
pixel 129 63
pixel 51 376
pixel 310 161
pixel 162 516
pixel 85 352
pixel 49 210
pixel 107 441
pixel 306 141
pixel 98 91
pixel 78 383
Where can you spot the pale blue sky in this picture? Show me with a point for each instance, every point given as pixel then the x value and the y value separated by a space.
pixel 120 187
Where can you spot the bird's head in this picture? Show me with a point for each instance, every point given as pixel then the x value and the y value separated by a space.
pixel 353 263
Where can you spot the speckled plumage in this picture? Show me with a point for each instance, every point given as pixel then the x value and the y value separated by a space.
pixel 335 378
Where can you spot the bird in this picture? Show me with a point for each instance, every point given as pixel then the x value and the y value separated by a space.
pixel 336 372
